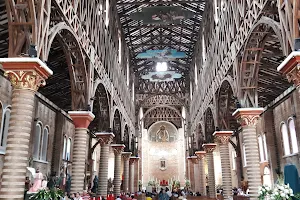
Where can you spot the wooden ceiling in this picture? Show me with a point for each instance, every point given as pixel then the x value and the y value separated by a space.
pixel 141 37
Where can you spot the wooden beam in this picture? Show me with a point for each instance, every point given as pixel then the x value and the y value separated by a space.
pixel 159 2
pixel 179 43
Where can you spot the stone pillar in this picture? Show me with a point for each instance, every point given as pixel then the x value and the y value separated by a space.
pixel 131 173
pixel 223 138
pixel 202 179
pixel 118 149
pixel 209 149
pixel 196 187
pixel 26 76
pixel 81 120
pixel 248 118
pixel 191 172
pixel 126 156
pixel 105 139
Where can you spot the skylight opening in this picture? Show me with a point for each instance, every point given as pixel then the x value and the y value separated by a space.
pixel 161 67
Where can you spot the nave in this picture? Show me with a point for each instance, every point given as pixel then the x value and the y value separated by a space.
pixel 111 97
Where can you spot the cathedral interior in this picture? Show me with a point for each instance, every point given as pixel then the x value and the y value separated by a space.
pixel 121 96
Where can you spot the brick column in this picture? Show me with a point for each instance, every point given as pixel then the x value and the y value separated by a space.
pixel 248 118
pixel 196 187
pixel 202 179
pixel 81 120
pixel 126 156
pixel 26 76
pixel 209 149
pixel 132 160
pixel 191 172
pixel 223 138
pixel 118 149
pixel 105 139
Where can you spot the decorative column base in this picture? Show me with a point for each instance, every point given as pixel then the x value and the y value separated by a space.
pixel 209 148
pixel 26 76
pixel 202 180
pixel 223 138
pixel 126 156
pixel 81 120
pixel 105 139
pixel 248 118
pixel 118 149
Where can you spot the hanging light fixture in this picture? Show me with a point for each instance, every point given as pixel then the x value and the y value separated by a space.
pixel 161 67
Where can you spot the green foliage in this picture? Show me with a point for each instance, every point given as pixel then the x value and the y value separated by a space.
pixel 53 194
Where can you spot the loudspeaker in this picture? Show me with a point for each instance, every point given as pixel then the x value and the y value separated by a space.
pixel 297 44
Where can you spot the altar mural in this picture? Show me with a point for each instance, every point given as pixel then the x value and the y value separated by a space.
pixel 163 150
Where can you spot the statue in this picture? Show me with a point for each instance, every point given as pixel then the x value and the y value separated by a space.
pixel 95 184
pixel 38 177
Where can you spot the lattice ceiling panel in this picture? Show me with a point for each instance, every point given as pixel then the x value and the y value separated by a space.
pixel 141 36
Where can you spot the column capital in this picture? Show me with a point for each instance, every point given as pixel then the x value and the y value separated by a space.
pixel 118 148
pixel 194 159
pixel 291 68
pixel 133 159
pixel 126 155
pixel 105 138
pixel 223 137
pixel 200 154
pixel 81 119
pixel 210 147
pixel 26 73
pixel 247 116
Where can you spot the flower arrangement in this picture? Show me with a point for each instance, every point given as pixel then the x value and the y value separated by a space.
pixel 264 191
pixel 279 192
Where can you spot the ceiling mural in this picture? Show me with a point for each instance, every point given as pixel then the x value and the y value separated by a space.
pixel 162 15
pixel 161 76
pixel 165 55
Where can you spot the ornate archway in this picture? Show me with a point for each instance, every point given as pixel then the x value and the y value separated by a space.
pixel 69 79
pixel 101 108
pixel 259 80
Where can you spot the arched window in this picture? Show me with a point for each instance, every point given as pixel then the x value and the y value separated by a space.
pixel 37 140
pixel 196 75
pixel 233 158
pixel 5 115
pixel 44 146
pixel 95 161
pixel 267 177
pixel 244 155
pixel 293 135
pixel 120 47
pixel 68 154
pixel 106 13
pixel 285 138
pixel 262 144
pixel 65 148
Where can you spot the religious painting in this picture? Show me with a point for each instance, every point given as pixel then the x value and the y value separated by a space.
pixel 162 164
pixel 162 134
pixel 164 55
pixel 161 76
pixel 162 15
